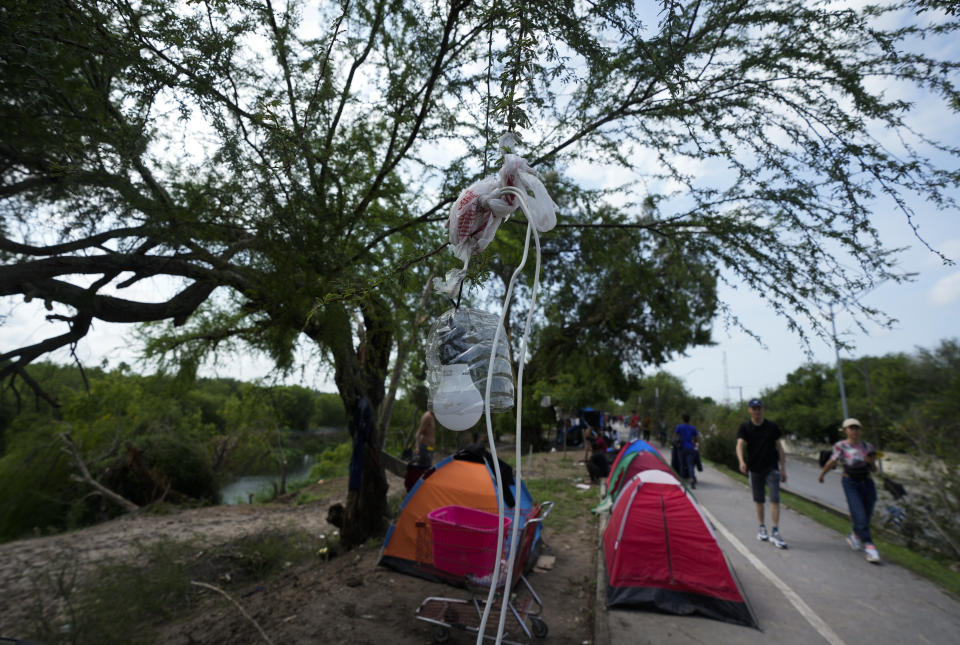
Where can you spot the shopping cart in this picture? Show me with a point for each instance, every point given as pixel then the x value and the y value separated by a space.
pixel 463 544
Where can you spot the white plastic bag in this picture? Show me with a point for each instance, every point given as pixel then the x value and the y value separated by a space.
pixel 480 209
pixel 471 224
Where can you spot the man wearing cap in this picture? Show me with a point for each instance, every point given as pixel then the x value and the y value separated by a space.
pixel 760 453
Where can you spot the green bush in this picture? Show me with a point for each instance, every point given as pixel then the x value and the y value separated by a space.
pixel 332 462
pixel 35 485
pixel 719 436
pixel 156 464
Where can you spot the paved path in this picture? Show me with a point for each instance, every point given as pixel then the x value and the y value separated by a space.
pixel 802 479
pixel 816 591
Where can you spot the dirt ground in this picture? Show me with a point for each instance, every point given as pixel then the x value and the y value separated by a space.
pixel 348 599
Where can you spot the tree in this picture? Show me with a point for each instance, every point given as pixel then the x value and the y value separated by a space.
pixel 284 181
pixel 618 300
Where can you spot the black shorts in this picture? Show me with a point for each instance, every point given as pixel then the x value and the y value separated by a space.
pixel 770 478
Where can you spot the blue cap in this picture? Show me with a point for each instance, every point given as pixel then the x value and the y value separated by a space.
pixel 755 403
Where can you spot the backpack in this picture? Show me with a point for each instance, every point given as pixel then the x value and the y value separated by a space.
pixel 824 457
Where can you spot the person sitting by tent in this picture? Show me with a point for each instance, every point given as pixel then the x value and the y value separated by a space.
pixel 426 438
pixel 598 466
pixel 609 435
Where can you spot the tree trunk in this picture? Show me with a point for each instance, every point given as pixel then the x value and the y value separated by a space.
pixel 360 375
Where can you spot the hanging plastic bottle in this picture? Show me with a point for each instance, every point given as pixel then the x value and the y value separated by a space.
pixel 458 355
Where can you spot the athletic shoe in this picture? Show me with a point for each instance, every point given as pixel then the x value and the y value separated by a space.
pixel 872 555
pixel 762 534
pixel 776 540
pixel 854 542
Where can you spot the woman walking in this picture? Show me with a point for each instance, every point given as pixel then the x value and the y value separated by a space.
pixel 858 459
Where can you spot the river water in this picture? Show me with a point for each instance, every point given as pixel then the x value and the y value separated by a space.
pixel 239 490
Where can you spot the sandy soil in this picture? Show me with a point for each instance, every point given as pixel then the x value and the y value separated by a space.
pixel 348 599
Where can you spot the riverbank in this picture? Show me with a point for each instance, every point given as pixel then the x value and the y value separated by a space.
pixel 283 576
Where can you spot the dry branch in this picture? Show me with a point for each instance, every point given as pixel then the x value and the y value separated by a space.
pixel 242 610
pixel 71 449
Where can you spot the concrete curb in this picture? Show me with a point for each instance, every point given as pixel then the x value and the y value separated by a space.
pixel 601 623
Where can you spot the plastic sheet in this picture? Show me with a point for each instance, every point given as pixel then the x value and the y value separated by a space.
pixel 465 336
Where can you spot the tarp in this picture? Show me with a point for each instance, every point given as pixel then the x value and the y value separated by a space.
pixel 661 554
pixel 460 480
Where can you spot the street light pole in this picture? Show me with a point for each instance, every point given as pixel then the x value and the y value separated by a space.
pixel 836 351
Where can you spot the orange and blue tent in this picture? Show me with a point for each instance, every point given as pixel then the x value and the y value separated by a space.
pixel 466 479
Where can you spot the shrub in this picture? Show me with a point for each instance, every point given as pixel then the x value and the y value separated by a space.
pixel 332 462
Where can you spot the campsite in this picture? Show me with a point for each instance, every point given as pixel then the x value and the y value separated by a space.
pixel 347 597
pixel 345 248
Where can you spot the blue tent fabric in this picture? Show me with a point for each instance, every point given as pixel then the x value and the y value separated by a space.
pixel 639 445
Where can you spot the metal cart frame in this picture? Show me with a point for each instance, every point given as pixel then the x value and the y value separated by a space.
pixel 523 602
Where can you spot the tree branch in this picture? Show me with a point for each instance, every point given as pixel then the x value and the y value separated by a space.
pixel 85 476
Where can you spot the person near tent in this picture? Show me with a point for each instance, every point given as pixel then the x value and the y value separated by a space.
pixel 688 439
pixel 597 465
pixel 590 438
pixel 634 426
pixel 858 459
pixel 760 452
pixel 646 425
pixel 426 439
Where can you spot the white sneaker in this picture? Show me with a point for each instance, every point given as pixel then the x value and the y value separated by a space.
pixel 776 540
pixel 872 556
pixel 854 542
pixel 762 534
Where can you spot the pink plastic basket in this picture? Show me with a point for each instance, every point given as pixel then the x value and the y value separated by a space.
pixel 465 540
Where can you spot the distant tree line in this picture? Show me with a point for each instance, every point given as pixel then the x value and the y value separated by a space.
pixel 146 438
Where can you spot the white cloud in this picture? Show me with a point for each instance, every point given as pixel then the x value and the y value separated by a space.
pixel 945 291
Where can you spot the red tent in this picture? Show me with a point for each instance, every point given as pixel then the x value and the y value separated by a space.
pixel 661 554
pixel 633 464
pixel 637 445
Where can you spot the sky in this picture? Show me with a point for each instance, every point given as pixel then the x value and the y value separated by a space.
pixel 928 311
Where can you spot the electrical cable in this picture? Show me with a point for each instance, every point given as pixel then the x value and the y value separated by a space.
pixel 518 481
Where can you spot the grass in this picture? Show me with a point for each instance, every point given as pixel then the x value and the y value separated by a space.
pixel 936 569
pixel 552 478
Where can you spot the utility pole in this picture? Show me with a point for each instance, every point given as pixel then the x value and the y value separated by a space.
pixel 726 381
pixel 836 351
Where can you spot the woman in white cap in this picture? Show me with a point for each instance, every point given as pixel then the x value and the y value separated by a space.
pixel 858 459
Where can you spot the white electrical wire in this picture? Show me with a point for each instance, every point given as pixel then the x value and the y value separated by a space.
pixel 518 481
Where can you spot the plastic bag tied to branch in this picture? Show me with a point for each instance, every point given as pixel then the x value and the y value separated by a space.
pixel 480 209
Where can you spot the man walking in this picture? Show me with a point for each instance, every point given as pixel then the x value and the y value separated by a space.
pixel 689 437
pixel 760 452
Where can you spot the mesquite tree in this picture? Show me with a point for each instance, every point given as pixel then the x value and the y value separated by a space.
pixel 285 167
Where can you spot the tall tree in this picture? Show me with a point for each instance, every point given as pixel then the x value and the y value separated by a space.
pixel 283 168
